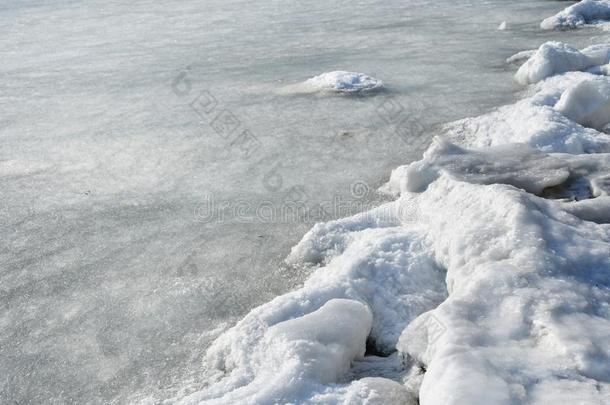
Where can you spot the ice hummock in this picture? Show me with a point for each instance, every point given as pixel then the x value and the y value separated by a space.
pixel 336 82
pixel 557 57
pixel 577 15
pixel 587 103
pixel 487 289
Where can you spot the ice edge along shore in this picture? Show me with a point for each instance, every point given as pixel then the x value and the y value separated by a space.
pixel 486 281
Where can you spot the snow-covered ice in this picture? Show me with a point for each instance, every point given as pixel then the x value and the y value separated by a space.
pixel 556 57
pixel 489 274
pixel 336 82
pixel 587 103
pixel 579 14
pixel 114 284
pixel 535 121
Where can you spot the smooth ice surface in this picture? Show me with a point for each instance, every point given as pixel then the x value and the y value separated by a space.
pixel 579 14
pixel 134 232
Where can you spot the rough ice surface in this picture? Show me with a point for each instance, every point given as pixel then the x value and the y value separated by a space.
pixel 557 57
pixel 489 275
pixel 336 82
pixel 577 15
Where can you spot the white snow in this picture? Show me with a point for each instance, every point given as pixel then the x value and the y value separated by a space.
pixel 534 121
pixel 489 274
pixel 336 82
pixel 521 57
pixel 587 103
pixel 577 15
pixel 557 57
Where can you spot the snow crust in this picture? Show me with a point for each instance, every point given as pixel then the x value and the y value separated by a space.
pixel 577 15
pixel 488 276
pixel 336 82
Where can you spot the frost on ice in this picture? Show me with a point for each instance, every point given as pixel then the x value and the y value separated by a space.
pixel 577 15
pixel 487 280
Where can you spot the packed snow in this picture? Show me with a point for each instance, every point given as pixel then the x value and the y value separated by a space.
pixel 336 82
pixel 577 15
pixel 488 276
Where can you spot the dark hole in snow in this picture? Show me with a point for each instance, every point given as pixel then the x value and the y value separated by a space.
pixel 373 350
pixel 573 189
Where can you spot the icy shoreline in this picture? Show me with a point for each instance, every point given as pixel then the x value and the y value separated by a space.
pixel 488 276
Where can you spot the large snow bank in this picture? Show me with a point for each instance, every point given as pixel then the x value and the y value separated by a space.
pixel 556 57
pixel 489 275
pixel 336 82
pixel 584 12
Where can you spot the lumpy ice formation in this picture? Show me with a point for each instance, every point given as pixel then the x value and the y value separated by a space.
pixel 336 82
pixel 487 279
pixel 556 57
pixel 579 14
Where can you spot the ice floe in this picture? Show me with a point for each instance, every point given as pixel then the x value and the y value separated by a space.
pixel 577 15
pixel 336 82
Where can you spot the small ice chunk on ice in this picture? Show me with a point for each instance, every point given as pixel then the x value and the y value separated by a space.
pixel 521 57
pixel 577 15
pixel 336 82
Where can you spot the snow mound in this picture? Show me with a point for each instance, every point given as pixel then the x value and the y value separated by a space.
pixel 557 57
pixel 587 103
pixel 535 120
pixel 577 15
pixel 336 82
